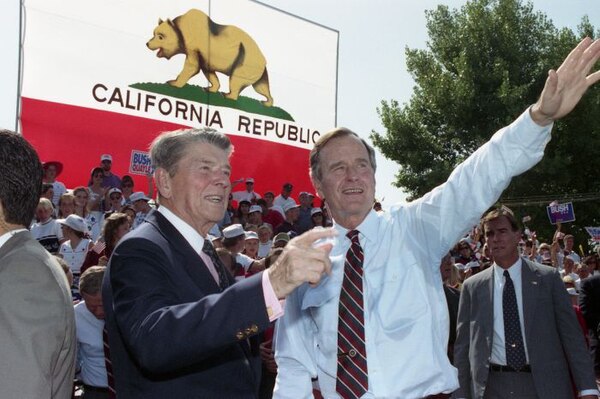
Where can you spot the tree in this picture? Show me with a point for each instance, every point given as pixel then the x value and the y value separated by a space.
pixel 484 64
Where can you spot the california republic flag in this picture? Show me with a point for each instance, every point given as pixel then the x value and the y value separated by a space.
pixel 107 77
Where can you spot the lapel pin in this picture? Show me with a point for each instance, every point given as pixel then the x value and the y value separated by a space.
pixel 534 282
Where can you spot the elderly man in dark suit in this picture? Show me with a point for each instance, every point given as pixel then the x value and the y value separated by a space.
pixel 37 325
pixel 178 326
pixel 517 334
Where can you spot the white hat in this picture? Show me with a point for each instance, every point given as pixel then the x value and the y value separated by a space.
pixel 75 222
pixel 249 180
pixel 255 208
pixel 266 226
pixel 315 210
pixel 114 190
pixel 572 291
pixel 250 235
pixel 137 196
pixel 290 205
pixel 234 230
pixel 106 157
pixel 303 193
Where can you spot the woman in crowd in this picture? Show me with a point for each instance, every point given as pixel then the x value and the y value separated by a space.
pixel 94 219
pixel 74 250
pixel 251 244
pixel 115 227
pixel 66 205
pixel 51 171
pixel 316 216
pixel 96 191
pixel 241 216
pixel 127 185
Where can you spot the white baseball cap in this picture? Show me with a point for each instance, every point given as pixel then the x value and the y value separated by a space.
pixel 234 230
pixel 138 195
pixel 290 205
pixel 315 211
pixel 255 208
pixel 75 222
pixel 249 180
pixel 250 235
pixel 106 157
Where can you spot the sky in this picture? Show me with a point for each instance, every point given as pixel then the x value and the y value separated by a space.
pixel 372 67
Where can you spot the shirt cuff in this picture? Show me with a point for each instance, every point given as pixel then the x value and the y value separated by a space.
pixel 589 392
pixel 274 305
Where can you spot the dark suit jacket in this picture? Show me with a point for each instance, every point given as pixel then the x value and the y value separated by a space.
pixel 172 333
pixel 554 340
pixel 589 304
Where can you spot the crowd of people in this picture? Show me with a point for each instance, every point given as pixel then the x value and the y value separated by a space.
pixel 211 293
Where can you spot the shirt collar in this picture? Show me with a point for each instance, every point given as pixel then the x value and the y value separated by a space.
pixel 367 228
pixel 188 232
pixel 514 270
pixel 8 235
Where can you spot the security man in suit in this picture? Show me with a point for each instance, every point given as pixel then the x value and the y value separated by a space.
pixel 37 324
pixel 517 334
pixel 178 326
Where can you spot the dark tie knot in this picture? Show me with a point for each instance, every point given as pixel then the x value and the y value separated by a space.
pixel 353 236
pixel 506 275
pixel 207 247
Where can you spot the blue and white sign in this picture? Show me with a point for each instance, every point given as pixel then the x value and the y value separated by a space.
pixel 561 213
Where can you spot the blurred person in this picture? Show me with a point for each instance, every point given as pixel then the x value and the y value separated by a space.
pixel 130 212
pixel 47 192
pixel 37 327
pixel 97 191
pixel 270 216
pixel 47 231
pixel 316 217
pixel 141 206
pixel 569 243
pixel 248 194
pixel 165 284
pixel 115 227
pixel 234 240
pixel 127 185
pixel 304 222
pixel 89 321
pixel 52 169
pixel 83 208
pixel 109 179
pixel 251 245
pixel 113 200
pixel 292 212
pixel 265 239
pixel 241 214
pixel 66 205
pixel 269 198
pixel 284 197
pixel 255 215
pixel 280 240
pixel 65 267
pixel 452 298
pixel 235 269
pixel 75 248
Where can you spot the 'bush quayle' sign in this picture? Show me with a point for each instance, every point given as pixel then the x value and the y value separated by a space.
pixel 561 213
pixel 140 163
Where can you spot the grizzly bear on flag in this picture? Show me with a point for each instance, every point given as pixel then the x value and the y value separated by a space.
pixel 210 48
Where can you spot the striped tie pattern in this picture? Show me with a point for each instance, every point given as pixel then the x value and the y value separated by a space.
pixel 513 339
pixel 352 381
pixel 209 250
pixel 109 371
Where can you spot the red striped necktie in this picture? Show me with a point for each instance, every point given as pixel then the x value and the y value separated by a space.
pixel 352 380
pixel 108 363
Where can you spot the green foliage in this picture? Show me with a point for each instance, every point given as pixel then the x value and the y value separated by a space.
pixel 483 66
pixel 198 94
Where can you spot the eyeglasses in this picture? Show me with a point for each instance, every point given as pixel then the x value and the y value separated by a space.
pixel 99 175
pixel 115 197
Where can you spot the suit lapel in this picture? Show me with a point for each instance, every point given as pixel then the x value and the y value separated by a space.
pixel 487 304
pixel 530 285
pixel 191 262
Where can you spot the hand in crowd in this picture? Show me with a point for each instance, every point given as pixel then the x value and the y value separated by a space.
pixel 301 262
pixel 267 356
pixel 565 86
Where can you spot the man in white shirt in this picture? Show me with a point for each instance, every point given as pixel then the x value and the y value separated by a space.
pixel 400 345
pixel 248 194
pixel 89 321
pixel 514 322
pixel 285 196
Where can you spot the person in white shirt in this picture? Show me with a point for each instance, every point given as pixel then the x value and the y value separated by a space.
pixel 89 323
pixel 248 194
pixel 284 198
pixel 397 254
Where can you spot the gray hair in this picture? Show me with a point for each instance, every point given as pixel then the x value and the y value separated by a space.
pixel 169 148
pixel 315 153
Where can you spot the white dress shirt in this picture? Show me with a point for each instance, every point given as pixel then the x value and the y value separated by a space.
pixel 406 316
pixel 90 347
pixel 498 344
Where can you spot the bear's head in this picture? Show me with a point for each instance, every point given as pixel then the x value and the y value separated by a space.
pixel 165 39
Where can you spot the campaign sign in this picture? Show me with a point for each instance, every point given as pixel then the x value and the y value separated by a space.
pixel 594 232
pixel 561 213
pixel 140 163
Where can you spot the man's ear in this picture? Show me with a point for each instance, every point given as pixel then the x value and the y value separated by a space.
pixel 163 182
pixel 317 185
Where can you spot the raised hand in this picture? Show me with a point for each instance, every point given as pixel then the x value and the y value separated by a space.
pixel 565 86
pixel 301 262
